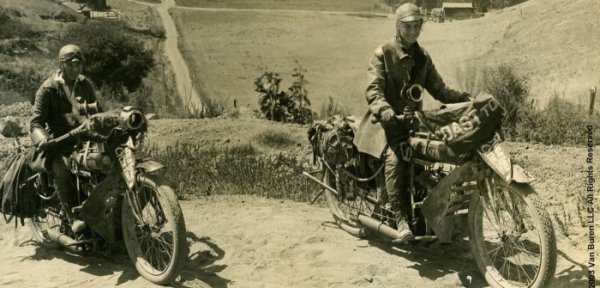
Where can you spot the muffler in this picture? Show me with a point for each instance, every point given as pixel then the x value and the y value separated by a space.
pixel 64 240
pixel 383 229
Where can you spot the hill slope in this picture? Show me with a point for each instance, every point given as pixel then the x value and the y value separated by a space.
pixel 549 41
pixel 555 43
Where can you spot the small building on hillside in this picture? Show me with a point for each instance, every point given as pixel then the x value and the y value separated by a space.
pixel 455 10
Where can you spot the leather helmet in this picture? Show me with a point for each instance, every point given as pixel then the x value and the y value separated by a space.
pixel 70 52
pixel 408 12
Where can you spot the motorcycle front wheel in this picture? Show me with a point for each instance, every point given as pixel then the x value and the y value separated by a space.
pixel 156 244
pixel 511 235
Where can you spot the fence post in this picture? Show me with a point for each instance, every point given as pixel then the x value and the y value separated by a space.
pixel 592 100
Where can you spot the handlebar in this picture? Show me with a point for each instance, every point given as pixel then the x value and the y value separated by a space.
pixel 129 119
pixel 398 117
pixel 85 127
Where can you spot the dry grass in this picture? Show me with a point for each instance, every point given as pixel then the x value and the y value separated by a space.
pixel 227 50
pixel 140 17
pixel 193 171
pixel 316 5
pixel 555 44
pixel 277 139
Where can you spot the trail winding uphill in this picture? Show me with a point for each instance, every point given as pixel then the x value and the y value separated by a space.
pixel 241 241
pixel 185 87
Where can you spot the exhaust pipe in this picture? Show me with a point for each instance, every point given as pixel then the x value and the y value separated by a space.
pixel 381 228
pixel 64 240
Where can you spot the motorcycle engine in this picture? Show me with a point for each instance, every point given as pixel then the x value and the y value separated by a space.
pixel 94 157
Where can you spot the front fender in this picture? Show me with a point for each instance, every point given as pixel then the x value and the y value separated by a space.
pixel 519 175
pixel 149 166
pixel 500 162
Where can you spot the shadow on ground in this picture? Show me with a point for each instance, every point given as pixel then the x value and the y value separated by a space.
pixel 201 264
pixel 434 260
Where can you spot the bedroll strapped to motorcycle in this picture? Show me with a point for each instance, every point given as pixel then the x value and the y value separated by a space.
pixel 331 140
pixel 466 126
pixel 18 200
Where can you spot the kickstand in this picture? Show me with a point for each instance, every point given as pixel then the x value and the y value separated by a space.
pixel 316 198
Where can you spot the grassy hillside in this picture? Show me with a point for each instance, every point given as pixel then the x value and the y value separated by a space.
pixel 316 5
pixel 32 32
pixel 550 42
pixel 556 44
pixel 227 50
pixel 28 33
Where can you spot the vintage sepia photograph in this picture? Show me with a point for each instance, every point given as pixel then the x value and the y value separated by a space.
pixel 299 143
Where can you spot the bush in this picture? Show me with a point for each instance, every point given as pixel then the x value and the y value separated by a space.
pixel 560 122
pixel 512 91
pixel 114 58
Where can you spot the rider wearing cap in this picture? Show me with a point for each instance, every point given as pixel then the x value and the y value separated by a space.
pixel 395 66
pixel 55 113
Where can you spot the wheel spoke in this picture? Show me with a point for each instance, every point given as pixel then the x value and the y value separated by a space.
pixel 509 236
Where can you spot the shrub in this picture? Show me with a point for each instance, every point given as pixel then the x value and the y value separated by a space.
pixel 560 122
pixel 512 91
pixel 114 58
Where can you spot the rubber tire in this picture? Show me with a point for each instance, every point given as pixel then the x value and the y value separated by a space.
pixel 38 237
pixel 341 218
pixel 542 223
pixel 172 211
pixel 36 230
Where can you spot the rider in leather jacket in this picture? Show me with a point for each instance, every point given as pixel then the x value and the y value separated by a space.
pixel 55 113
pixel 395 66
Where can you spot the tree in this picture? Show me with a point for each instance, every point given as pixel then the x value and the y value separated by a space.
pixel 114 58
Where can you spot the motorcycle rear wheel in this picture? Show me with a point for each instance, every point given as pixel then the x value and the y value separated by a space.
pixel 47 216
pixel 157 247
pixel 345 211
pixel 512 238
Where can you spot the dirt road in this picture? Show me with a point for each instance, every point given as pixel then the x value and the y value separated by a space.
pixel 241 241
pixel 188 93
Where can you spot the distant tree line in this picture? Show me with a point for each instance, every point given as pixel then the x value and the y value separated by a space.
pixel 94 4
pixel 482 5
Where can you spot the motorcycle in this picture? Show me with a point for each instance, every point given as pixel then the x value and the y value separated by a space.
pixel 120 196
pixel 480 194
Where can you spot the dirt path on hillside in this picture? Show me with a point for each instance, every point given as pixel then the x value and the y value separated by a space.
pixel 186 89
pixel 285 11
pixel 239 241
